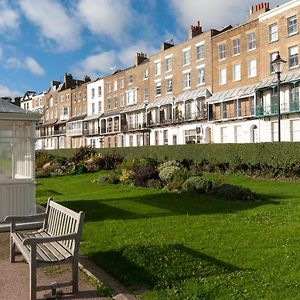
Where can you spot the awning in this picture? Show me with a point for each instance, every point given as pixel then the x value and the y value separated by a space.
pixel 161 101
pixel 200 92
pixel 285 78
pixel 232 94
pixel 77 118
pixel 93 117
pixel 135 107
pixel 110 114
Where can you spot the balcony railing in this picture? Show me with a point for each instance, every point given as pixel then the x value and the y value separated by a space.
pixel 269 110
pixel 93 131
pixel 179 118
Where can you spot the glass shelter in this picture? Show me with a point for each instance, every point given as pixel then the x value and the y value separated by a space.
pixel 17 141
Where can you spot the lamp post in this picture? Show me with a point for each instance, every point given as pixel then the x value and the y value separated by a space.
pixel 278 64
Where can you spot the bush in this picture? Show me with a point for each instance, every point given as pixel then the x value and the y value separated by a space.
pixel 168 163
pixel 234 192
pixel 166 174
pixel 143 174
pixel 42 158
pixel 79 168
pixel 126 176
pixel 108 161
pixel 197 184
pixel 82 153
pixel 154 183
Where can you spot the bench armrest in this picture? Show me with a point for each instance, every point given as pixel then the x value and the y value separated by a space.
pixel 42 240
pixel 25 219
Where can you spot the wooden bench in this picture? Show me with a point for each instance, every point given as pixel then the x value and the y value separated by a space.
pixel 57 242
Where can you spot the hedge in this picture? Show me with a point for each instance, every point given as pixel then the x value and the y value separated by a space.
pixel 272 154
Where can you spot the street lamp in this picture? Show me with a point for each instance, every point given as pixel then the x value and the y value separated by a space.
pixel 278 64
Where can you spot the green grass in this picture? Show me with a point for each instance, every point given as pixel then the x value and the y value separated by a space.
pixel 189 246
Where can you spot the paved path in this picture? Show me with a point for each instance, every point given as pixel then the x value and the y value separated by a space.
pixel 14 278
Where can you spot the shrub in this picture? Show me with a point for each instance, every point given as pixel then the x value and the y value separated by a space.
pixel 107 161
pixel 154 183
pixel 79 168
pixel 166 174
pixel 42 158
pixel 82 153
pixel 126 176
pixel 143 174
pixel 197 184
pixel 233 192
pixel 168 163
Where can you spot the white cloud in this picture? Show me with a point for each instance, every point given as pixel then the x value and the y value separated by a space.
pixel 213 13
pixel 106 17
pixel 96 65
pixel 6 92
pixel 1 53
pixel 9 19
pixel 28 63
pixel 33 66
pixel 54 22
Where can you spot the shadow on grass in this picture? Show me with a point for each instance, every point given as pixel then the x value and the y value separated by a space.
pixel 160 267
pixel 159 205
pixel 47 193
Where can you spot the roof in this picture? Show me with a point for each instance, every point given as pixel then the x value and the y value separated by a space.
pixel 161 101
pixel 11 111
pixel 200 92
pixel 93 117
pixel 110 114
pixel 272 81
pixel 77 118
pixel 135 107
pixel 245 91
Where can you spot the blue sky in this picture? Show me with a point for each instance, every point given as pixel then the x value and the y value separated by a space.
pixel 40 40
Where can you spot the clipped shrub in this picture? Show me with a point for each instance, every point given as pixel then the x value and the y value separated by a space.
pixel 166 174
pixel 234 192
pixel 197 184
pixel 143 174
pixel 82 153
pixel 168 163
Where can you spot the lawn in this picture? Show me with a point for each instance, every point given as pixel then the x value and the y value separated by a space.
pixel 188 246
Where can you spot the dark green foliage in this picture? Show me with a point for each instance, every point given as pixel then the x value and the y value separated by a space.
pixel 143 174
pixel 197 184
pixel 233 192
pixel 154 183
pixel 82 153
pixel 107 161
pixel 42 157
pixel 111 178
pixel 79 168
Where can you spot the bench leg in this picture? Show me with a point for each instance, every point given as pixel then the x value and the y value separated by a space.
pixel 75 276
pixel 12 251
pixel 33 282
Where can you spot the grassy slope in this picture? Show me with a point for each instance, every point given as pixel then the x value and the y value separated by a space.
pixel 190 246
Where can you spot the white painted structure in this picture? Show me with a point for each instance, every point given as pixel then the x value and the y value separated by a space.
pixel 95 108
pixel 17 143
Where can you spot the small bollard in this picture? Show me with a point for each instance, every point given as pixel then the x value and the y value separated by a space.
pixel 53 288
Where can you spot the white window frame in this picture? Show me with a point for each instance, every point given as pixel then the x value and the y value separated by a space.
pixel 251 41
pixel 222 51
pixel 169 63
pixel 293 56
pixel 222 76
pixel 169 85
pixel 158 88
pixel 157 67
pixel 236 72
pixel 293 26
pixel 272 56
pixel 146 74
pixel 273 33
pixel 252 68
pixel 200 70
pixel 236 48
pixel 187 79
pixel 186 56
pixel 200 51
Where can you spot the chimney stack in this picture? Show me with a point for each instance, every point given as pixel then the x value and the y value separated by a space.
pixel 258 9
pixel 140 57
pixel 195 30
pixel 165 45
